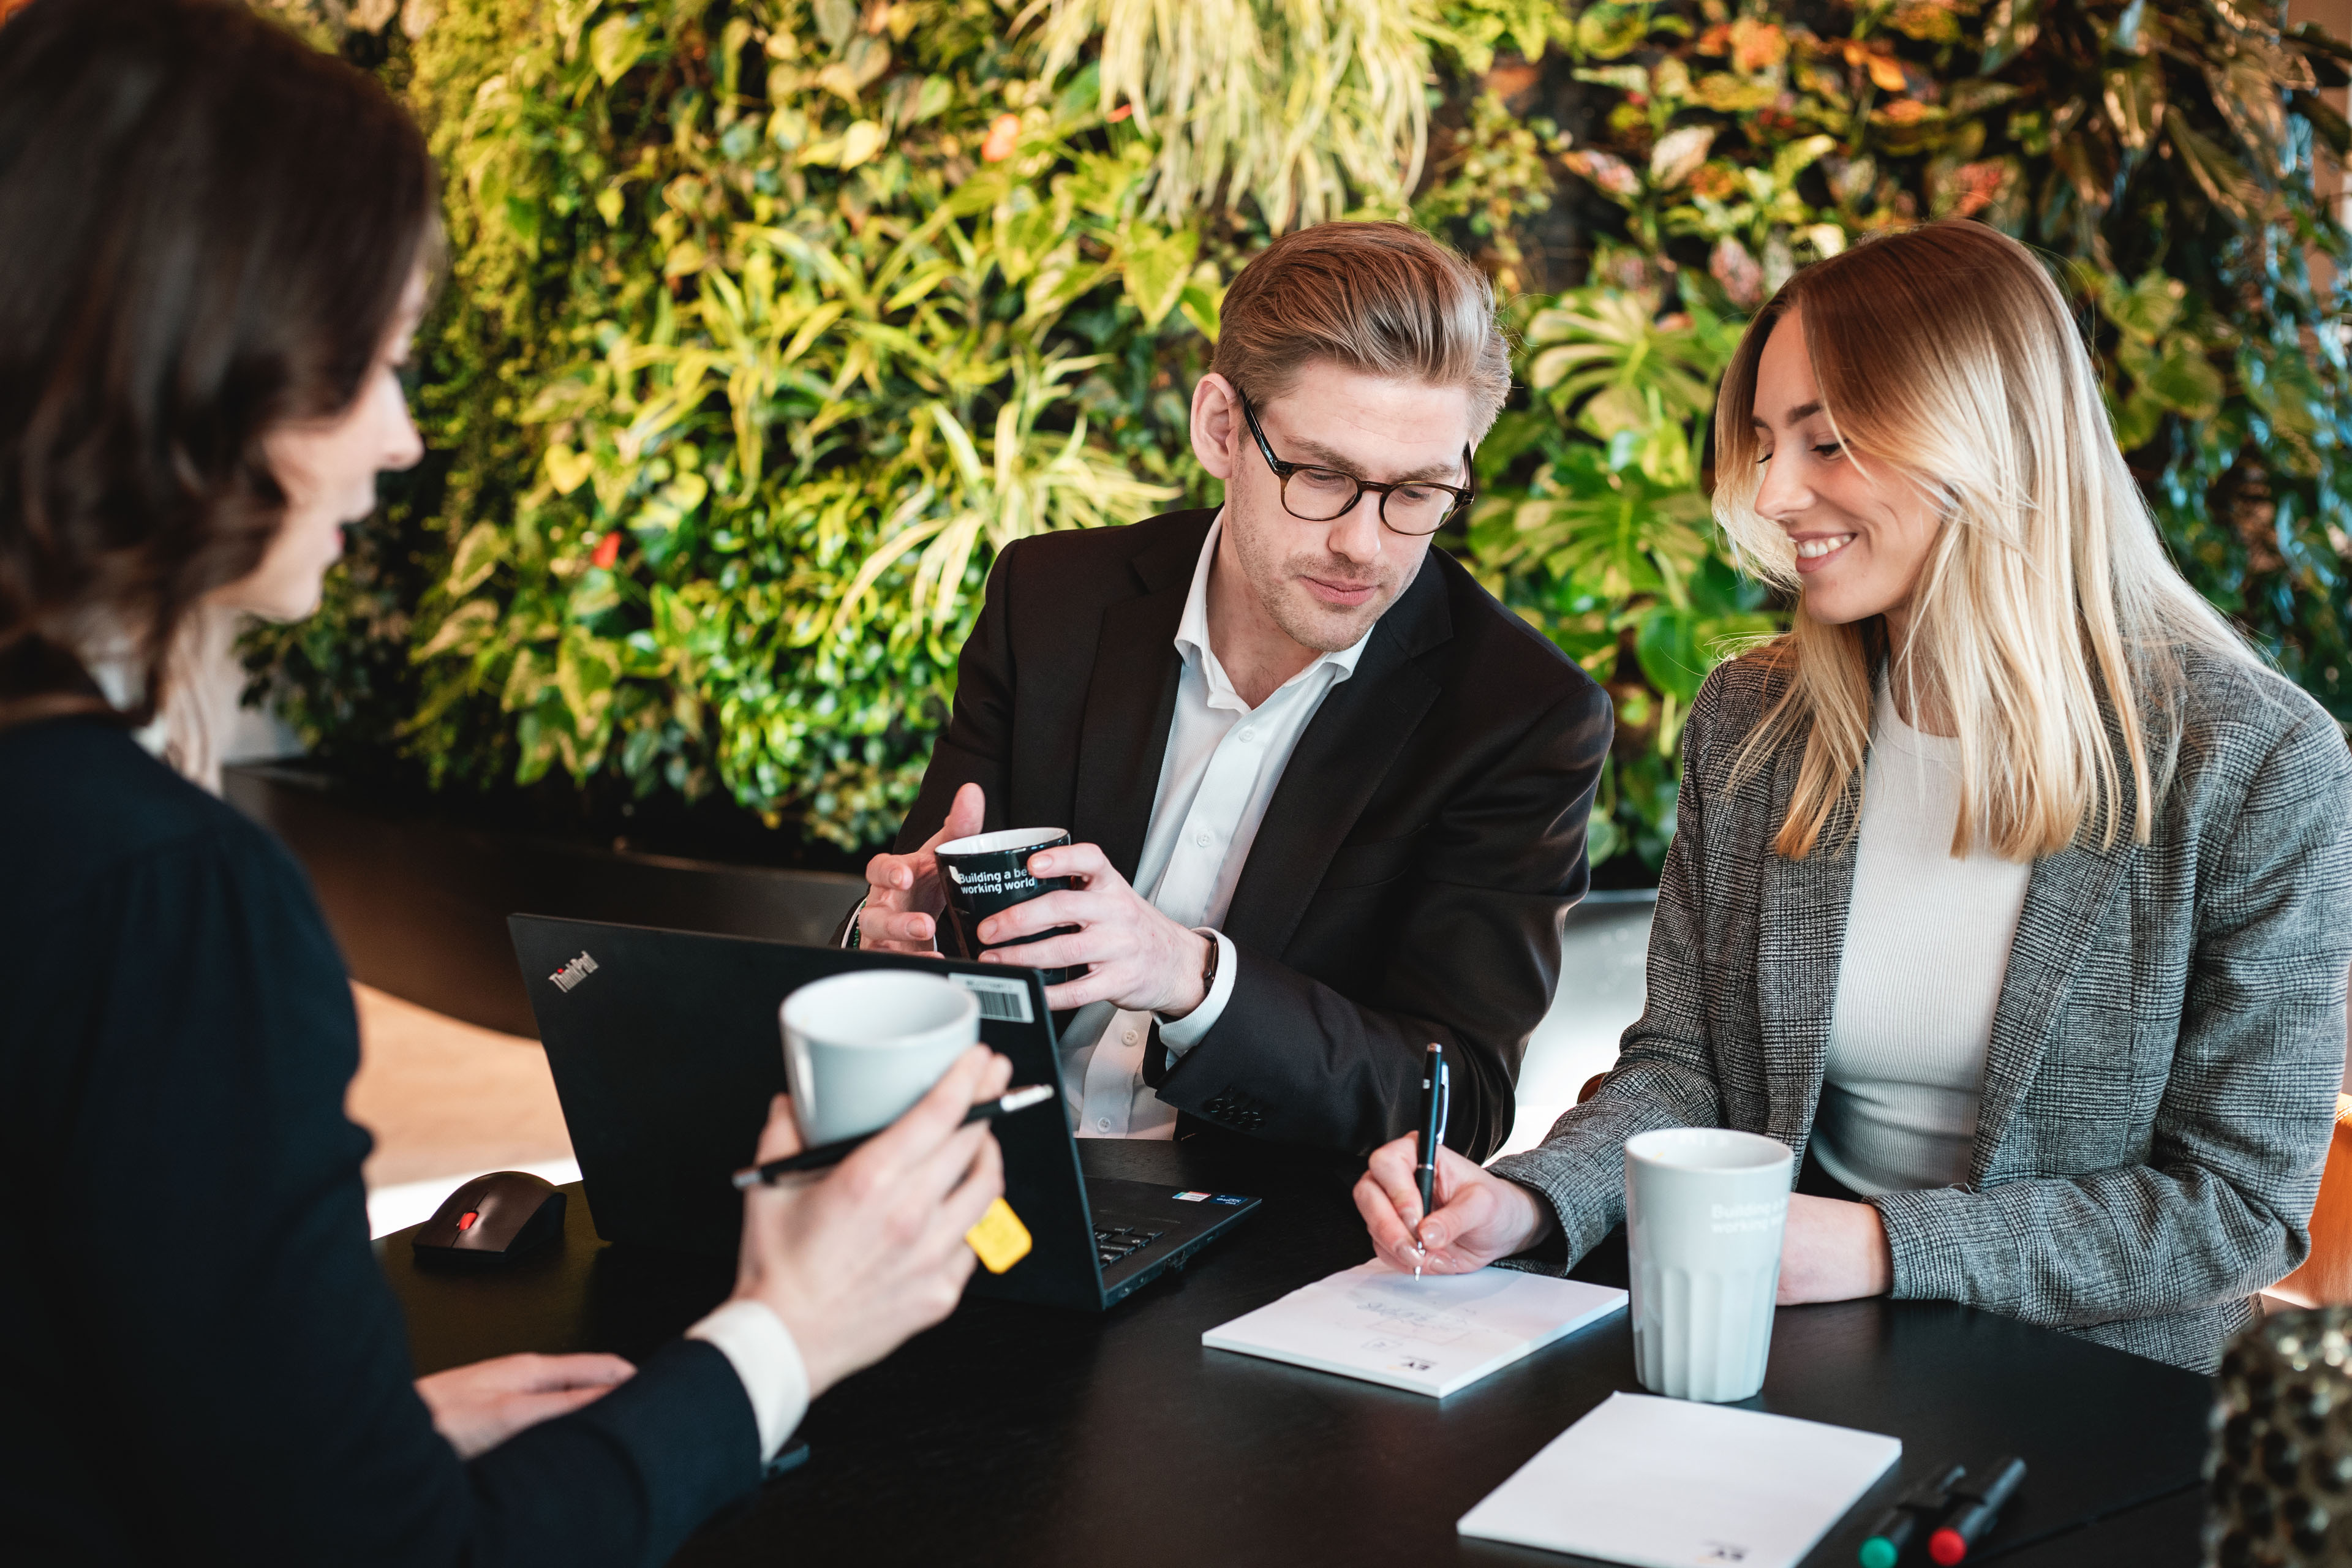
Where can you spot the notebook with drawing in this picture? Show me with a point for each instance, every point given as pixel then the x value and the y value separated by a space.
pixel 1431 1335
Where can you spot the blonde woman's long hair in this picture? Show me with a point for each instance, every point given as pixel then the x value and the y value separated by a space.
pixel 2047 610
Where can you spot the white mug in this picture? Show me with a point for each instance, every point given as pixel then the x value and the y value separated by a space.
pixel 1704 1209
pixel 861 1048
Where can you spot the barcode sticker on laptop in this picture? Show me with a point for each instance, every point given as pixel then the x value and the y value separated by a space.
pixel 1006 1001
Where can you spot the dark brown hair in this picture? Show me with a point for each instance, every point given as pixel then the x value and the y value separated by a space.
pixel 1382 298
pixel 206 228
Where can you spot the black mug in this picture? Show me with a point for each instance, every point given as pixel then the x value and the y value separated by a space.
pixel 988 873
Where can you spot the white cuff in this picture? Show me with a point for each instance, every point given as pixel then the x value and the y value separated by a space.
pixel 761 1349
pixel 1188 1031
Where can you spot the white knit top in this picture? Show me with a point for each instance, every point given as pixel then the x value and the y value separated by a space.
pixel 1927 946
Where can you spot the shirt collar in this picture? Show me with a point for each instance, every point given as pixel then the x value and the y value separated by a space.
pixel 1192 634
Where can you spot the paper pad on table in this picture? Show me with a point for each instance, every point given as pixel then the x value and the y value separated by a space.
pixel 1431 1335
pixel 1662 1483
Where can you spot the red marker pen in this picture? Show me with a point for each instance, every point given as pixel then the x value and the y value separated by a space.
pixel 1975 1508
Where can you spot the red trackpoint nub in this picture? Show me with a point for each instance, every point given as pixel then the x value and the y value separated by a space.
pixel 1948 1547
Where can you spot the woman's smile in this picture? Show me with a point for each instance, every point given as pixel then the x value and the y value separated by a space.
pixel 1814 550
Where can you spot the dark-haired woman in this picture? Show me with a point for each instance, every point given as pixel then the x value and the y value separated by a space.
pixel 212 254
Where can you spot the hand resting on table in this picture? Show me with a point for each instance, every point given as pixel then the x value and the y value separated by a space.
pixel 479 1406
pixel 1833 1251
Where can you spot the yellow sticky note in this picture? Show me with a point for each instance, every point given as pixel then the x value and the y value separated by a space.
pixel 1000 1239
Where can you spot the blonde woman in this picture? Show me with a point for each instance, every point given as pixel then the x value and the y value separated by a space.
pixel 2007 888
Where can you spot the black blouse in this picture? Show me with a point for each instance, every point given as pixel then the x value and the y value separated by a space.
pixel 199 1358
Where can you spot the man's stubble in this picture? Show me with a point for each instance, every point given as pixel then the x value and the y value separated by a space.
pixel 1274 578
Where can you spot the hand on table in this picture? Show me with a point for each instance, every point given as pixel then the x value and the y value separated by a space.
pixel 1137 957
pixel 862 1260
pixel 903 892
pixel 1833 1251
pixel 1479 1217
pixel 478 1407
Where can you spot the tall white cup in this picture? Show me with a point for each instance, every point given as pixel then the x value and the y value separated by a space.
pixel 1705 1208
pixel 861 1048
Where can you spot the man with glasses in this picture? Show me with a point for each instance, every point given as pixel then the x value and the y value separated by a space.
pixel 1326 797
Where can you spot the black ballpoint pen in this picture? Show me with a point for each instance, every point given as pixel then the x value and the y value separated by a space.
pixel 1434 1108
pixel 834 1154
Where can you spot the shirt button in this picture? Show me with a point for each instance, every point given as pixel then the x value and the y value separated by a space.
pixel 1132 1036
pixel 1102 1124
pixel 1202 839
pixel 1249 734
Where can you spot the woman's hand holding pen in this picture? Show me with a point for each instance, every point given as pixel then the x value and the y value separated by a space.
pixel 1479 1216
pixel 862 1261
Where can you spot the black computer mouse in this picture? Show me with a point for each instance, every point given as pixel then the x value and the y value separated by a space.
pixel 493 1219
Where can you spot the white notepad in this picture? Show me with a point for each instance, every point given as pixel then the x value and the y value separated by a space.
pixel 1665 1483
pixel 1431 1335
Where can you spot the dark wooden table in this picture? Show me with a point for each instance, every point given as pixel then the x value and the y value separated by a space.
pixel 1022 1436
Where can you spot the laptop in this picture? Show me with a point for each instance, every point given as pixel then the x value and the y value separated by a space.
pixel 666 1046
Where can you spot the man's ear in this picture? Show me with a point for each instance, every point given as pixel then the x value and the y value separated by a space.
pixel 1217 426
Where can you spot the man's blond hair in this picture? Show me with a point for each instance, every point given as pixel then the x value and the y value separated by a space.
pixel 1381 298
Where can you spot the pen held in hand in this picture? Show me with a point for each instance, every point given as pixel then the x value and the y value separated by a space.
pixel 833 1153
pixel 1436 1098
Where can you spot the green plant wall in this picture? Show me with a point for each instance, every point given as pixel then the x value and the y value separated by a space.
pixel 768 323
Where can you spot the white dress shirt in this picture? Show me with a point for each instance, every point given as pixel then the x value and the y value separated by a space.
pixel 766 1358
pixel 1222 762
pixel 1926 948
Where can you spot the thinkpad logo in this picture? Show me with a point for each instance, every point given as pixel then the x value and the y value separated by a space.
pixel 574 972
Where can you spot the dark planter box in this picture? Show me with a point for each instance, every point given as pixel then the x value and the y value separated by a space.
pixel 419 902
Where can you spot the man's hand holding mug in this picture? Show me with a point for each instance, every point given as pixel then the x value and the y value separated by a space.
pixel 904 893
pixel 1133 956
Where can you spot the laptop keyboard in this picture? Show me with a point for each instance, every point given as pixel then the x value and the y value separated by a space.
pixel 1115 1242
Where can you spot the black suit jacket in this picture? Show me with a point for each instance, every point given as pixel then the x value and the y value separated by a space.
pixel 1409 881
pixel 200 1360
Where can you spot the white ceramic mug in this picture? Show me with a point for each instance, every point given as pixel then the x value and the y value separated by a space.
pixel 861 1048
pixel 1704 1209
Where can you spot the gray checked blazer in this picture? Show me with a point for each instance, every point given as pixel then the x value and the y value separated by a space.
pixel 2162 1075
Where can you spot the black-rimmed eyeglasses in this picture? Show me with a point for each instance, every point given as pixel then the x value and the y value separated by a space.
pixel 1315 494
